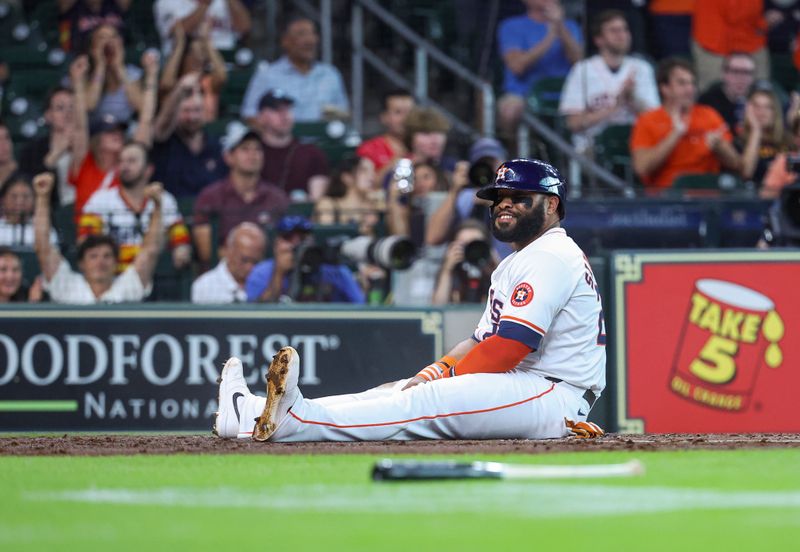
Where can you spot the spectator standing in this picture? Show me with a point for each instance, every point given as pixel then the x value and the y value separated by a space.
pixel 386 149
pixel 185 156
pixel 317 87
pixel 8 165
pixel 608 88
pixel 728 96
pixel 53 151
pixel 351 197
pixel 12 288
pixel 77 19
pixel 97 259
pixel 196 54
pixel 720 27
pixel 289 164
pixel 96 147
pixel 680 137
pixel 16 214
pixel 280 279
pixel 113 89
pixel 763 136
pixel 124 212
pixel 671 25
pixel 244 248
pixel 241 197
pixel 228 20
pixel 539 44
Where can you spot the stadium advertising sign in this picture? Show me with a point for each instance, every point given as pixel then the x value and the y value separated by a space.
pixel 138 369
pixel 704 342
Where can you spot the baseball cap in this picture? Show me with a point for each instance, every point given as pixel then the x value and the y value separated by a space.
pixel 293 223
pixel 107 123
pixel 486 147
pixel 274 98
pixel 235 134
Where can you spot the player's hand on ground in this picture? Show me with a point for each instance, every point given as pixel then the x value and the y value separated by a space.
pixel 416 380
pixel 584 430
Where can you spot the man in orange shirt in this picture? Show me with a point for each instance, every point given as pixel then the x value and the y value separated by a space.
pixel 720 27
pixel 680 137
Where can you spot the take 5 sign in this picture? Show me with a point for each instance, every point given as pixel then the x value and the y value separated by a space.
pixel 707 342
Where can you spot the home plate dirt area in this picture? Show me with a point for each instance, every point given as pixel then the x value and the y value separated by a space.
pixel 105 445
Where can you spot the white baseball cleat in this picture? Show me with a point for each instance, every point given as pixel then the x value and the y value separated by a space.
pixel 232 393
pixel 282 376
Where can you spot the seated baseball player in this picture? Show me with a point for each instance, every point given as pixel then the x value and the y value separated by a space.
pixel 532 370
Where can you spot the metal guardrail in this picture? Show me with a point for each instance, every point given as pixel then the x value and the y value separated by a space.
pixel 424 52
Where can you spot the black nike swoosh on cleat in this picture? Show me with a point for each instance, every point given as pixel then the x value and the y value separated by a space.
pixel 235 405
pixel 580 412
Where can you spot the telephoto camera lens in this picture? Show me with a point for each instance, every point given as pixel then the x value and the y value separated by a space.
pixel 391 253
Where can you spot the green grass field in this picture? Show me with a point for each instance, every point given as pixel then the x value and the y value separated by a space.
pixel 692 500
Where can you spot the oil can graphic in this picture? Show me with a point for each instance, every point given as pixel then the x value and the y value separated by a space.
pixel 730 332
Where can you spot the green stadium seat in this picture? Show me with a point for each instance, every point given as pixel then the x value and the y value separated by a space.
pixel 30 264
pixel 233 92
pixel 700 181
pixel 544 96
pixel 612 150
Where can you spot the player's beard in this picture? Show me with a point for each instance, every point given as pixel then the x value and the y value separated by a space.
pixel 527 226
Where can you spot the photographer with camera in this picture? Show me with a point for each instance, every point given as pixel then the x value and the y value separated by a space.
pixel 485 156
pixel 297 272
pixel 467 268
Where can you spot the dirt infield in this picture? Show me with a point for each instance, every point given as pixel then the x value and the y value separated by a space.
pixel 105 445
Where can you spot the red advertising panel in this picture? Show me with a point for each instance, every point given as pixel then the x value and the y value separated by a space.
pixel 707 342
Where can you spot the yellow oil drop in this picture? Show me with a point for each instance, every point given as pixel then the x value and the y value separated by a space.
pixel 773 356
pixel 773 328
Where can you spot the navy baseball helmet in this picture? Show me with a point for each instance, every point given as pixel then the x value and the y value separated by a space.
pixel 528 175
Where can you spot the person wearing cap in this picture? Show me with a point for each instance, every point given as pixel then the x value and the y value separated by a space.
pixel 289 164
pixel 317 87
pixel 186 157
pixel 461 203
pixel 244 248
pixel 96 148
pixel 242 196
pixel 278 279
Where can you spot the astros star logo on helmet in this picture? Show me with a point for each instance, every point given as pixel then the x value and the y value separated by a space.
pixel 501 173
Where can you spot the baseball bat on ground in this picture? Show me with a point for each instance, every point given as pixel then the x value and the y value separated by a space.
pixel 410 470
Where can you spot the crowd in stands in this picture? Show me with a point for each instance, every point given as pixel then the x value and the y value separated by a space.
pixel 132 184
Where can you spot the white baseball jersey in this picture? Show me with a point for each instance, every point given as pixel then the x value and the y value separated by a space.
pixel 546 296
pixel 592 85
pixel 120 219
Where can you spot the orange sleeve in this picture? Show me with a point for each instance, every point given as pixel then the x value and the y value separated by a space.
pixel 492 355
pixel 642 135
